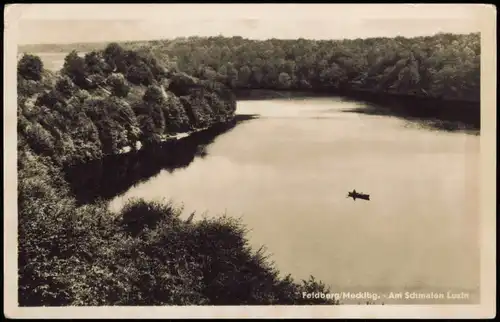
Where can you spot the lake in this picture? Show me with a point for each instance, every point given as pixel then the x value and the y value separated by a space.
pixel 287 174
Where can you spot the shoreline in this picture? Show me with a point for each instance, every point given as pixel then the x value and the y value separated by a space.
pixel 88 180
pixel 166 139
pixel 237 118
pixel 390 105
pixel 442 114
pixel 243 94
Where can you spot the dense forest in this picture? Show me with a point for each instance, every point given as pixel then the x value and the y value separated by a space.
pixel 71 254
pixel 107 100
pixel 443 66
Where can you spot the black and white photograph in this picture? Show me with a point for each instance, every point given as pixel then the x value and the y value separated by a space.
pixel 249 160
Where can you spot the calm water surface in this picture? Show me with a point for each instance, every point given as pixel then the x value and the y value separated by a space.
pixel 287 174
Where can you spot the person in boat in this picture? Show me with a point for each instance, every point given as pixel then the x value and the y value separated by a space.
pixel 355 195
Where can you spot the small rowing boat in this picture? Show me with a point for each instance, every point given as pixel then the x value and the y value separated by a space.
pixel 357 195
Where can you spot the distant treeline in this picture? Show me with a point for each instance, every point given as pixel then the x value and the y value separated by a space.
pixel 444 65
pixel 71 254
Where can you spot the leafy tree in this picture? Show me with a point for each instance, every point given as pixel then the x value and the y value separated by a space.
pixel 65 86
pixel 180 84
pixel 154 95
pixel 30 67
pixel 114 55
pixel 74 68
pixel 38 138
pixel 51 99
pixel 284 80
pixel 95 63
pixel 28 88
pixel 118 84
pixel 175 115
pixel 140 74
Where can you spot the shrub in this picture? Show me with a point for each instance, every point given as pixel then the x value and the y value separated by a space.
pixel 118 84
pixel 65 86
pixel 30 67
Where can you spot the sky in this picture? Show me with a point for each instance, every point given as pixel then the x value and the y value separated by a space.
pixel 70 23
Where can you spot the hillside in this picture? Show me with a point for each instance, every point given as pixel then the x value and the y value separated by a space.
pixel 110 99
